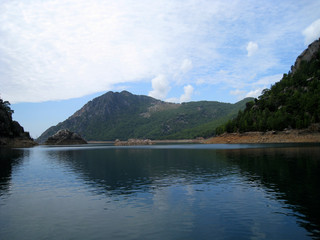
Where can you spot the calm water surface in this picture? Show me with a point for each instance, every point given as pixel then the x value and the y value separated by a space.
pixel 161 192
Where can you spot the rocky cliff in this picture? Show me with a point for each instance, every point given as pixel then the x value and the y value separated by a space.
pixel 306 55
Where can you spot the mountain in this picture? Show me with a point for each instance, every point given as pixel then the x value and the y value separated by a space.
pixel 293 102
pixel 124 115
pixel 11 132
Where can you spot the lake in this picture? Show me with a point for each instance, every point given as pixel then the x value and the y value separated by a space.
pixel 192 191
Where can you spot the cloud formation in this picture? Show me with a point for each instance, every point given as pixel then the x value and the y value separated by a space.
pixel 186 96
pixel 254 93
pixel 312 32
pixel 62 49
pixel 252 47
pixel 186 66
pixel 256 87
pixel 160 86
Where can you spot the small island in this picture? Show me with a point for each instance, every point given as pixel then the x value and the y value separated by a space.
pixel 65 137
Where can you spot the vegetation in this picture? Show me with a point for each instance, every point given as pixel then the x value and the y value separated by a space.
pixel 5 106
pixel 5 118
pixel 11 132
pixel 293 102
pixel 125 115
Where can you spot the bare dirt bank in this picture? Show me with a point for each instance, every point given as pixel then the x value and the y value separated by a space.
pixel 290 136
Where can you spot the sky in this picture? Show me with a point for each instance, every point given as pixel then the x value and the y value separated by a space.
pixel 56 55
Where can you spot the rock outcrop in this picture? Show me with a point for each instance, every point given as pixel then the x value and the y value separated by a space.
pixel 133 142
pixel 65 137
pixel 306 55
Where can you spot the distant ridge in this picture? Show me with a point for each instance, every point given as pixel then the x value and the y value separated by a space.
pixel 124 115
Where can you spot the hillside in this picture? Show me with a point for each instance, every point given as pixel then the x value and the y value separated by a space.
pixel 124 115
pixel 291 103
pixel 11 132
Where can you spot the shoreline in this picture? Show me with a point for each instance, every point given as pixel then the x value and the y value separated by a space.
pixel 17 142
pixel 290 136
pixel 153 141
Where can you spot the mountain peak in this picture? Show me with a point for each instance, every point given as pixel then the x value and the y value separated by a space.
pixel 126 93
pixel 123 115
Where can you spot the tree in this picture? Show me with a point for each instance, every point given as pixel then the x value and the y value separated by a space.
pixel 5 105
pixel 293 101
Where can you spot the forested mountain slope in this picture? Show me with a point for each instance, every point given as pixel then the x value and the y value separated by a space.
pixel 293 102
pixel 124 115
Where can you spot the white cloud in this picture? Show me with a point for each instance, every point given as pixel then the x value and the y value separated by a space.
pixel 252 48
pixel 182 72
pixel 254 93
pixel 258 86
pixel 69 48
pixel 160 86
pixel 312 32
pixel 188 90
pixel 63 49
pixel 186 66
pixel 185 97
pixel 268 80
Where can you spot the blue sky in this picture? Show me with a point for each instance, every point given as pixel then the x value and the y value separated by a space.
pixel 56 55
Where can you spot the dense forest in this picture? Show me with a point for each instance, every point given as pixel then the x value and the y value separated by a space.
pixel 293 102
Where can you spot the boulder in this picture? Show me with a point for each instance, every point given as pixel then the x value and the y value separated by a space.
pixel 65 137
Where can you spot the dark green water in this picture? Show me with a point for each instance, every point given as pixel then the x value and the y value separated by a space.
pixel 161 192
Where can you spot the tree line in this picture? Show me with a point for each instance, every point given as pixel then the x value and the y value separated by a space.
pixel 293 102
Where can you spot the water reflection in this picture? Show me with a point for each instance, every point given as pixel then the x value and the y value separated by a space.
pixel 125 171
pixel 288 174
pixel 160 193
pixel 293 174
pixel 9 159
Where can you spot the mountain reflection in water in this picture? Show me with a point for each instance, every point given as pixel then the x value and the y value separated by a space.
pixel 292 173
pixel 214 192
pixel 9 159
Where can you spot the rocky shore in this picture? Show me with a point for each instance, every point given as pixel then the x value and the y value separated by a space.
pixel 12 133
pixel 17 142
pixel 133 142
pixel 289 136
